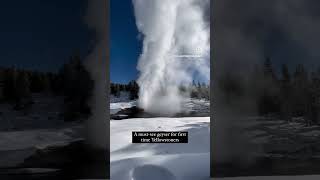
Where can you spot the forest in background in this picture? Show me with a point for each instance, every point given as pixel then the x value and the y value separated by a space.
pixel 195 90
pixel 72 82
pixel 283 94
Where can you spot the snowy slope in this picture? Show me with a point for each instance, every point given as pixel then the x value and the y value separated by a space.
pixel 160 161
pixel 16 146
pixel 282 138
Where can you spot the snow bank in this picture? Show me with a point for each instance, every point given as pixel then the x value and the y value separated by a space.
pixel 165 161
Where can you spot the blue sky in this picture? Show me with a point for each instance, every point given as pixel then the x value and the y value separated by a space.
pixel 41 35
pixel 125 46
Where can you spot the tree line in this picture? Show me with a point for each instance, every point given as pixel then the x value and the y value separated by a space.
pixel 132 88
pixel 72 81
pixel 194 90
pixel 284 94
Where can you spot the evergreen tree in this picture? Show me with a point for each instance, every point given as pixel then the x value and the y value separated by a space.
pixel 77 88
pixel 286 94
pixel 285 74
pixel 314 101
pixel 46 85
pixel 23 85
pixel 269 100
pixel 10 79
pixel 40 82
pixel 22 93
pixel 268 70
pixel 134 90
pixel 117 90
pixel 300 90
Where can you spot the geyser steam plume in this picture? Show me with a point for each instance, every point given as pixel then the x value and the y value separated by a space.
pixel 175 46
pixel 96 63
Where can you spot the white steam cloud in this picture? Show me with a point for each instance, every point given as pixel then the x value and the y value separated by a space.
pixel 176 44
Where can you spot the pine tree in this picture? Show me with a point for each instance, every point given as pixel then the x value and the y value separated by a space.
pixel 285 95
pixel 23 93
pixel 10 79
pixel 77 88
pixel 268 69
pixel 285 73
pixel 300 84
pixel 134 90
pixel 112 89
pixel 314 102
pixel 117 90
pixel 269 101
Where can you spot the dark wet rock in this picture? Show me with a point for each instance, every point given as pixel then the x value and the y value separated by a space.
pixel 136 112
pixel 132 112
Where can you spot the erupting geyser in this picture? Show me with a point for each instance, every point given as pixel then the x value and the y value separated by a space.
pixel 175 46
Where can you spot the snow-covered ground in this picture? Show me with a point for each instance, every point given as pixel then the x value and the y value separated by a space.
pixel 160 161
pixel 276 147
pixel 196 105
pixel 121 102
pixel 23 132
pixel 116 107
pixel 282 138
pixel 278 138
pixel 16 146
pixel 44 113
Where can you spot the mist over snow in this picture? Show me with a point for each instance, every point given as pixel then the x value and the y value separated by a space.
pixel 176 46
